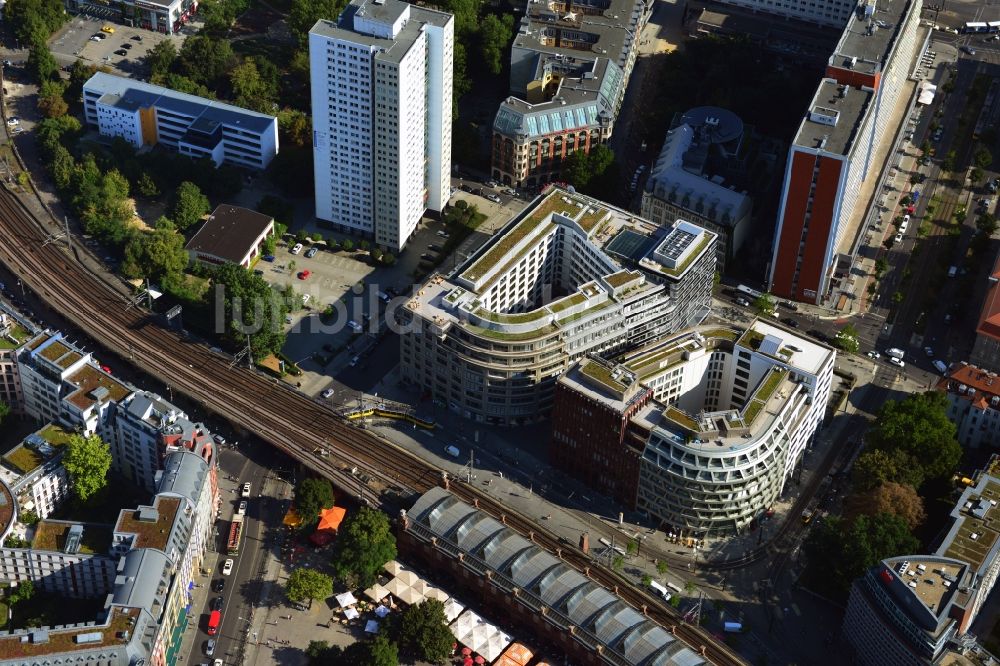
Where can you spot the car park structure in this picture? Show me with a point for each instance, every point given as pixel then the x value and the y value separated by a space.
pixel 568 276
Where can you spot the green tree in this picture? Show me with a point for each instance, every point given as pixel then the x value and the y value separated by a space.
pixel 155 254
pixel 662 567
pixel 252 89
pixel 87 460
pixel 185 84
pixel 976 175
pixel 189 205
pixel 251 307
pixel 295 127
pixel 160 59
pixel 495 33
pixel 982 158
pixel 312 495
pixel 919 426
pixel 147 186
pixel 986 224
pixel 689 587
pixel 383 652
pixel 388 259
pixel 318 653
pixel 50 99
pixel 365 543
pixel 206 60
pixel 304 13
pixel 875 467
pixel 618 563
pixel 25 590
pixel 847 339
pixel 4 411
pixel 277 207
pixel 363 245
pixel 870 539
pixel 466 14
pixel 376 253
pixel 424 633
pixel 42 64
pixel 34 20
pixel 948 163
pixel 881 266
pixel 347 245
pixel 646 580
pixel 765 305
pixel 308 584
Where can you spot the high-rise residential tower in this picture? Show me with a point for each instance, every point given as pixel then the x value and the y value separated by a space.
pixel 382 106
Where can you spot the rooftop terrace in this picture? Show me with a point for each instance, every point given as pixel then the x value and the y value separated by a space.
pixel 25 457
pixel 51 535
pixel 976 535
pixel 16 336
pixel 150 533
pixel 115 632
pixel 87 379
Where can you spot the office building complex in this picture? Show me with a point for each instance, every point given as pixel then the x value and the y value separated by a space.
pixel 533 588
pixel 381 78
pixel 148 115
pixel 165 16
pixel 702 429
pixel 973 404
pixel 915 609
pixel 841 149
pixel 570 64
pixel 568 276
pixel 685 184
pixel 831 13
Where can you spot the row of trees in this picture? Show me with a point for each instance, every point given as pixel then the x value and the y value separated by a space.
pixel 912 441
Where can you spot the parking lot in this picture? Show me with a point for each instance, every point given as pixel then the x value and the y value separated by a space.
pixel 74 41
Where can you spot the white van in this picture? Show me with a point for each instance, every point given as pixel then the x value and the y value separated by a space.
pixel 661 590
pixel 452 450
pixel 940 366
pixel 354 326
pixel 895 353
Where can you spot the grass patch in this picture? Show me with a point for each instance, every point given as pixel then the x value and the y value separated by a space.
pixel 510 318
pixel 16 336
pixel 681 419
pixel 48 608
pixel 511 337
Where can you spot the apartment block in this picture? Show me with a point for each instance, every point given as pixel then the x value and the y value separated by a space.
pixel 34 473
pixel 973 404
pixel 145 115
pixel 712 423
pixel 986 349
pixel 568 276
pixel 15 331
pixel 917 609
pixel 841 148
pixel 570 64
pixel 381 78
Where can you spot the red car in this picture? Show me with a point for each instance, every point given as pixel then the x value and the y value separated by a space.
pixel 106 369
pixel 303 275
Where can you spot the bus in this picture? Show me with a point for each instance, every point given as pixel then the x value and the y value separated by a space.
pixel 975 27
pixel 993 27
pixel 753 293
pixel 214 620
pixel 235 535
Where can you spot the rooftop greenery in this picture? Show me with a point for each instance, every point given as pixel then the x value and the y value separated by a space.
pixel 751 339
pixel 510 318
pixel 621 278
pixel 580 315
pixel 511 337
pixel 50 535
pixel 601 373
pixel 567 302
pixel 681 419
pixel 63 641
pixel 15 337
pixel 54 351
pixel 724 333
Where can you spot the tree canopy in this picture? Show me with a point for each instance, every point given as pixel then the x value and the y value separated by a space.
pixel 847 339
pixel 765 305
pixel 424 633
pixel 919 426
pixel 308 584
pixel 87 460
pixel 495 33
pixel 846 549
pixel 160 59
pixel 4 411
pixel 586 172
pixel 255 84
pixel 34 20
pixel 312 495
pixel 875 467
pixel 304 14
pixel 190 205
pixel 894 498
pixel 206 60
pixel 251 307
pixel 364 544
pixel 155 254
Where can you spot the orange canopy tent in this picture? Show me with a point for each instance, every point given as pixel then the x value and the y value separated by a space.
pixel 329 522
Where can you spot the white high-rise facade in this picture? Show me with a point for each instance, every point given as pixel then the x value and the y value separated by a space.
pixel 382 104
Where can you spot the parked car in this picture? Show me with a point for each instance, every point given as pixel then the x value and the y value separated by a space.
pixel 218 585
pixel 13 121
pixel 742 301
pixel 127 46
pixel 296 249
pixel 268 258
pixel 788 321
pixel 940 366
pixel 219 439
pixel 210 644
pixel 136 38
pixel 217 603
pixel 121 52
pixel 896 361
pixel 311 252
pixel 304 275
pixel 874 354
pixel 245 491
pixel 327 393
pixel 108 29
pixel 929 351
pixel 495 198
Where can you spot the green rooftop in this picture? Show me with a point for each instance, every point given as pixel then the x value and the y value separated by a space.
pixel 681 419
pixel 511 337
pixel 51 535
pixel 25 459
pixel 975 550
pixel 510 318
pixel 603 375
pixel 567 302
pixel 16 336
pixel 511 238
pixel 621 278
pixel 54 351
pixel 580 315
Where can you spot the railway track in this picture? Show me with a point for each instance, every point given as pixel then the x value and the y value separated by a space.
pixel 303 429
